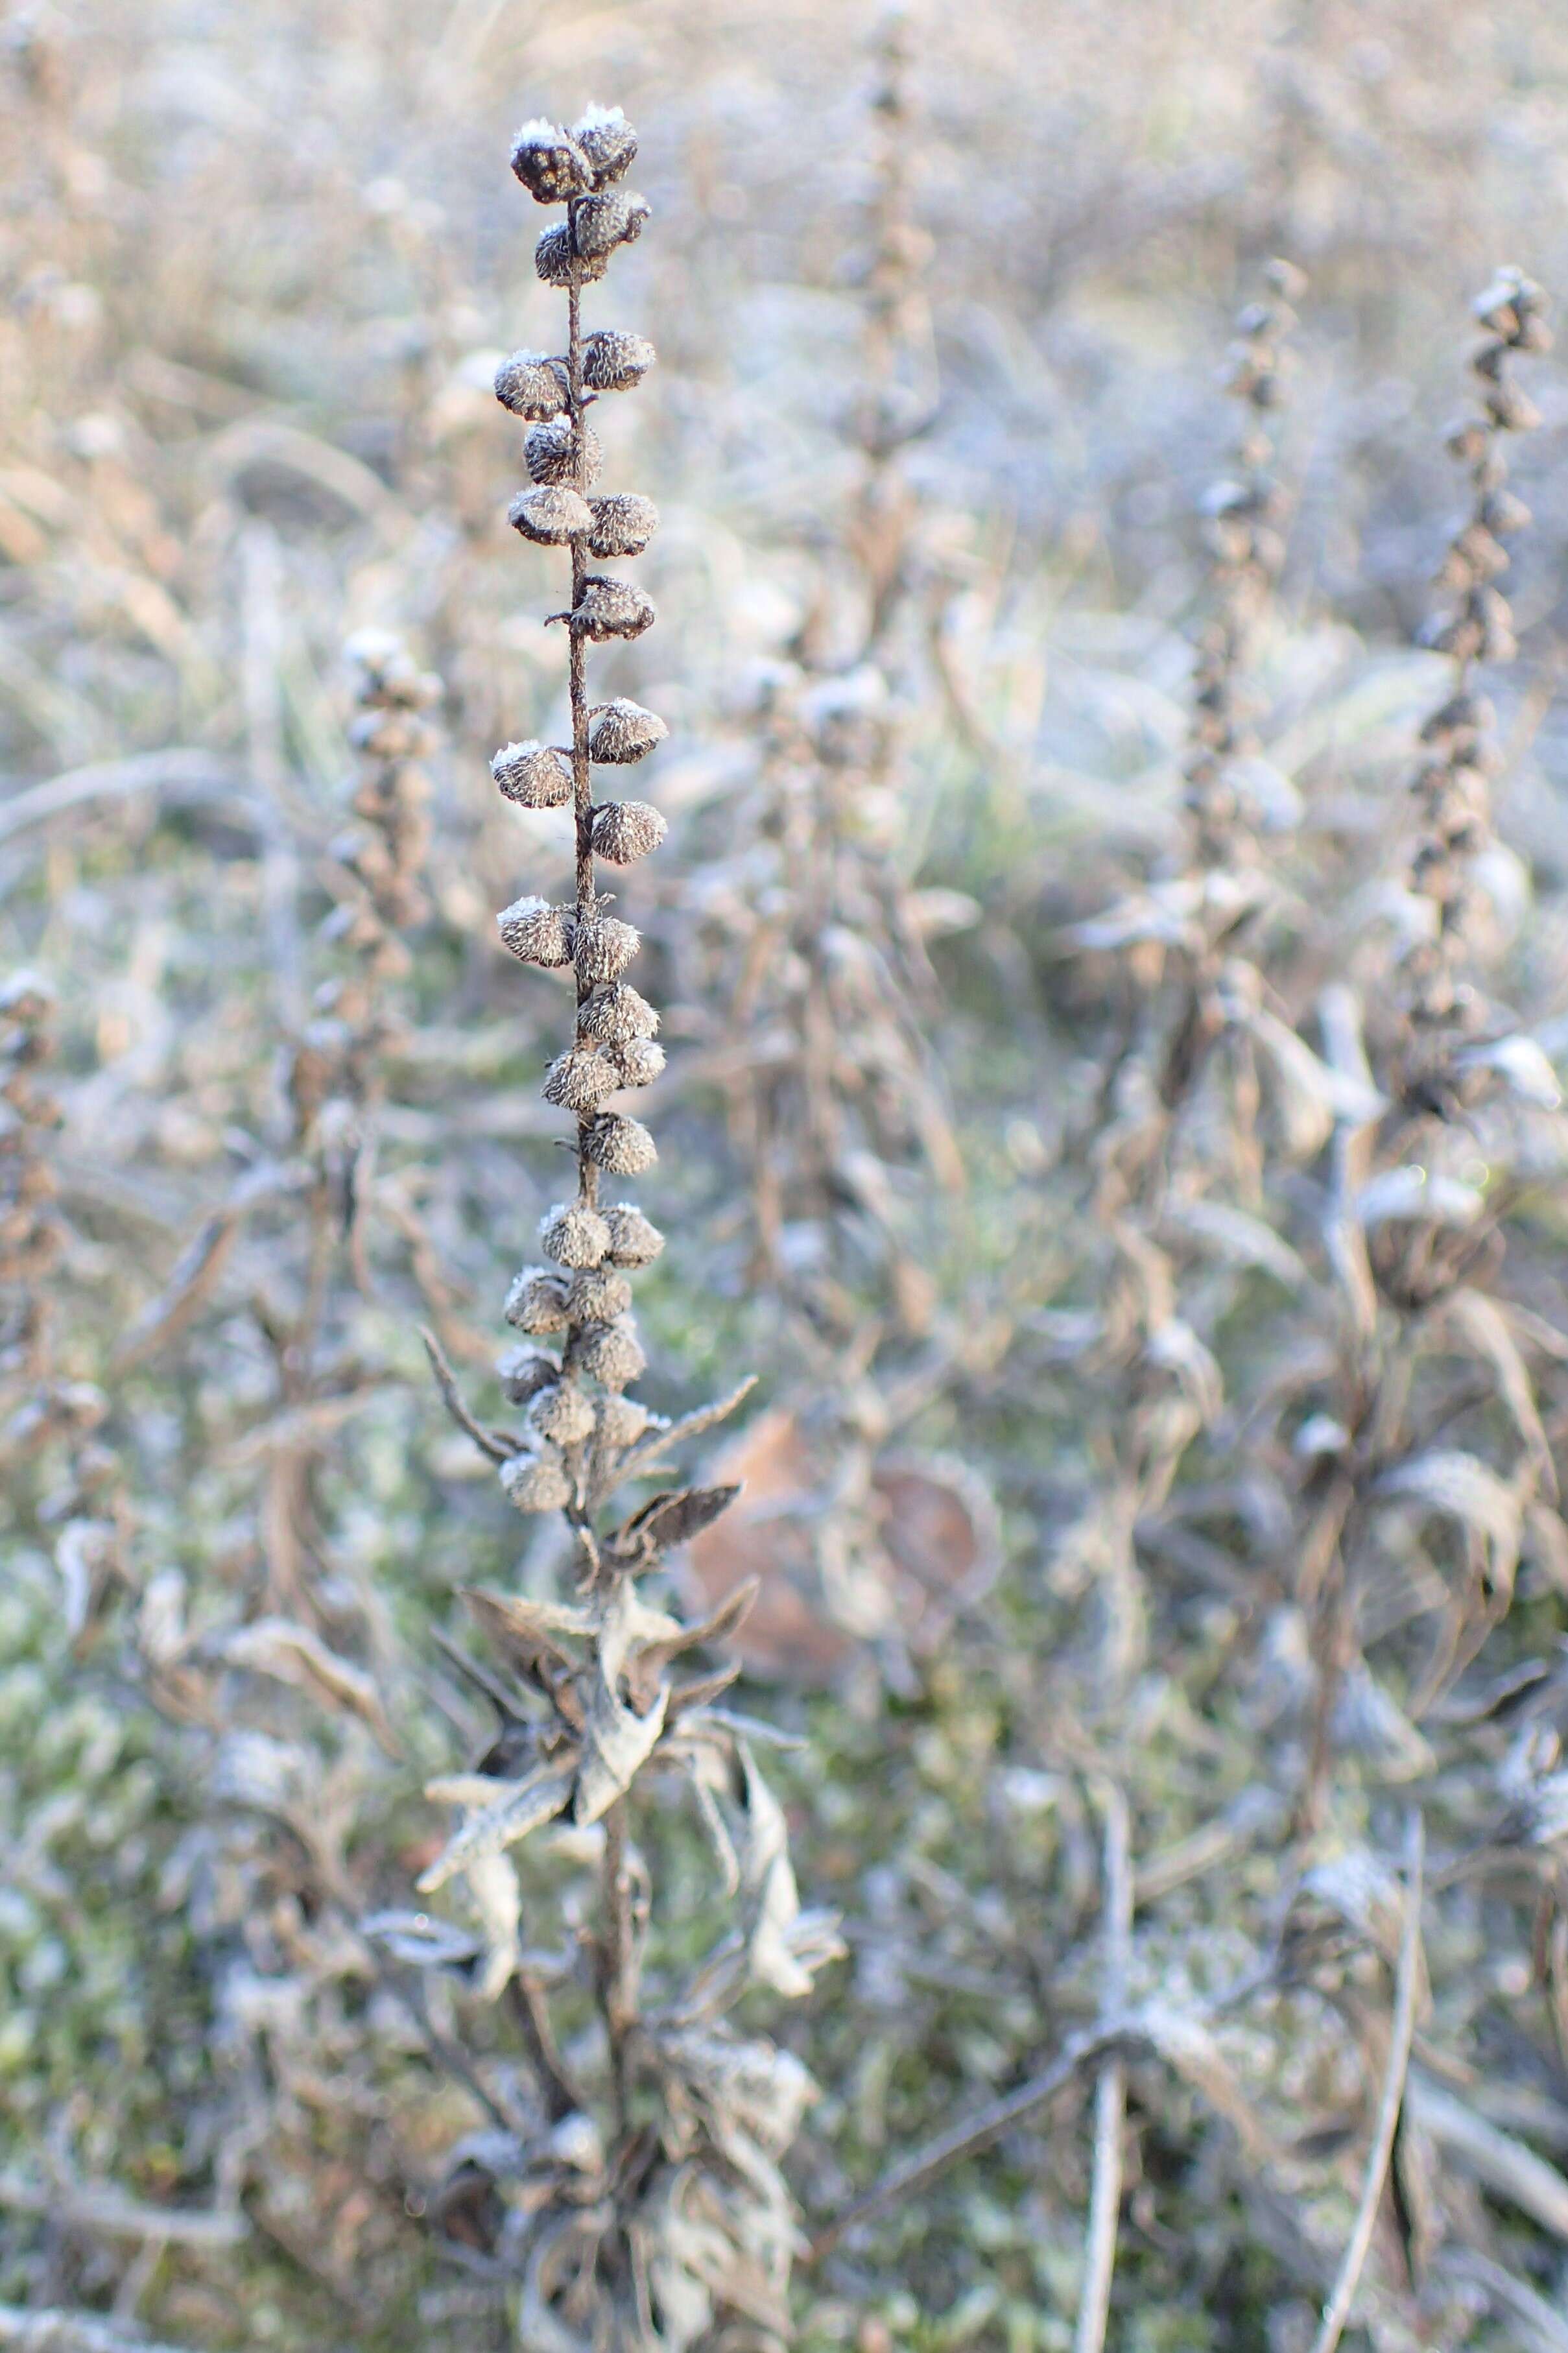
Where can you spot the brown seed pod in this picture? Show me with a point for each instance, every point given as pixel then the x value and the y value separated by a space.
pixel 537 933
pixel 574 1235
pixel 613 361
pixel 640 1061
pixel 536 1303
pixel 611 608
pixel 624 831
pixel 580 1078
pixel 1510 410
pixel 601 223
pixel 550 451
pixel 533 386
pixel 623 524
pixel 535 776
pixel 608 1353
pixel 524 1372
pixel 558 263
pixel 634 1239
pixel 536 1483
pixel 622 1147
pixel 391 734
pixel 562 1414
pixel 551 163
pixel 617 1015
pixel 598 1295
pixel 621 731
pixel 602 946
pixel 551 514
pixel 608 141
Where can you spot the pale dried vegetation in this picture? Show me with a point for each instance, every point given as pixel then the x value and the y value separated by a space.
pixel 1050 1828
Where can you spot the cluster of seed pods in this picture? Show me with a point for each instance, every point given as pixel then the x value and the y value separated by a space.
pixel 580 1418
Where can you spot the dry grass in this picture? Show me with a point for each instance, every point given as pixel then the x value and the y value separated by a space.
pixel 1145 1215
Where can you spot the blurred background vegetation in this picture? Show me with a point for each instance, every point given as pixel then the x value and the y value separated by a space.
pixel 259 265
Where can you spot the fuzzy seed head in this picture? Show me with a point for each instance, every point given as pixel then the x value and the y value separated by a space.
pixel 536 1482
pixel 535 776
pixel 607 140
pixel 602 946
pixel 536 1303
pixel 601 223
pixel 640 1061
pixel 536 933
pixel 618 1015
pixel 574 1235
pixel 622 1421
pixel 627 830
pixel 557 262
pixel 562 1414
pixel 613 361
pixel 549 163
pixel 550 452
pixel 579 1080
pixel 551 514
pixel 610 607
pixel 622 1147
pixel 635 1240
pixel 598 1295
pixel 610 1354
pixel 524 1372
pixel 621 731
pixel 532 386
pixel 623 524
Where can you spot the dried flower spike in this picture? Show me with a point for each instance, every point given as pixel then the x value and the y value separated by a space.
pixel 602 1664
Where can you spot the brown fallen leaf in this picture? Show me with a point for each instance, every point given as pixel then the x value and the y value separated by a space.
pixel 935 1548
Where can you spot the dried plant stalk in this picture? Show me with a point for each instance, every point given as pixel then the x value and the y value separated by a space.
pixel 1416 1242
pixel 642 2204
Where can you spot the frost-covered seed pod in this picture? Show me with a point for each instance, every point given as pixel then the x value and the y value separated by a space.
pixel 549 452
pixel 524 1372
pixel 622 1147
pixel 608 1353
pixel 623 523
pixel 574 1235
pixel 558 263
pixel 536 1483
pixel 563 1414
pixel 549 163
pixel 598 1295
pixel 602 946
pixel 534 775
pixel 579 1081
pixel 391 734
pixel 532 386
pixel 536 1303
pixel 635 1240
pixel 607 140
pixel 613 361
pixel 599 224
pixel 622 1421
pixel 621 731
pixel 612 607
pixel 626 830
pixel 617 1015
pixel 537 933
pixel 1510 410
pixel 551 514
pixel 640 1061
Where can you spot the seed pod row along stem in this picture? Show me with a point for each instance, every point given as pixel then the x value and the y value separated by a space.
pixel 630 2220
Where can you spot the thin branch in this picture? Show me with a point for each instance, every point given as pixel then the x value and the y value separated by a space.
pixel 1110 2091
pixel 1407 1978
pixel 485 1440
